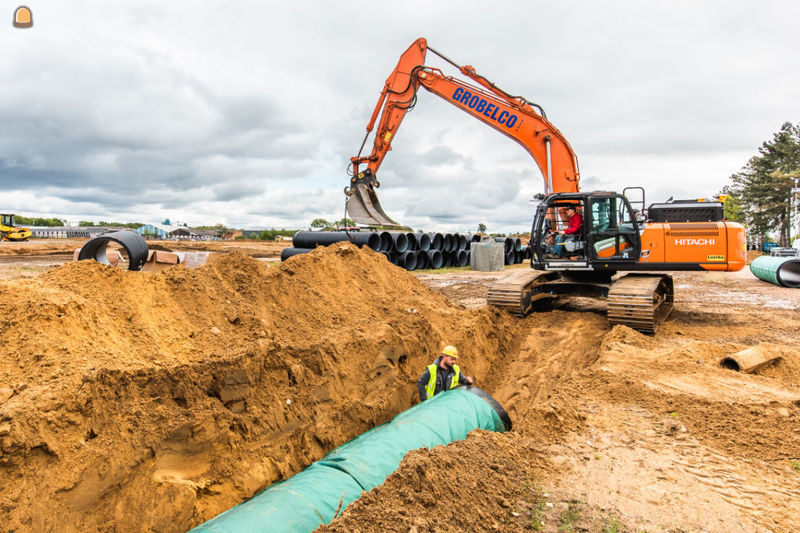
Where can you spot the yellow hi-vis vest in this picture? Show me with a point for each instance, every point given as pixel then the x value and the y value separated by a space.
pixel 431 386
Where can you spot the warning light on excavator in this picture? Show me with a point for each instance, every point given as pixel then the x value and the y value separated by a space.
pixel 23 17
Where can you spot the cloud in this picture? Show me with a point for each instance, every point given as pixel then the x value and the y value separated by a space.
pixel 248 114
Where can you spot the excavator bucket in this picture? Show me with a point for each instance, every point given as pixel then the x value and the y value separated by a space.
pixel 364 207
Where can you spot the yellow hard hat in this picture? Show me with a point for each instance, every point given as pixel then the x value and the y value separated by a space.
pixel 451 351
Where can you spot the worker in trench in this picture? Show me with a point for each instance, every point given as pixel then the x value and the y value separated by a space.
pixel 443 374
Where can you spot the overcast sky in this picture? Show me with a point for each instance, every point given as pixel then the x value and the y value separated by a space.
pixel 247 113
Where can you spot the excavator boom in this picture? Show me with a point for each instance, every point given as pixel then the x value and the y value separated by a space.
pixel 512 116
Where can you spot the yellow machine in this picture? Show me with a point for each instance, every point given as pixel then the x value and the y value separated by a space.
pixel 10 233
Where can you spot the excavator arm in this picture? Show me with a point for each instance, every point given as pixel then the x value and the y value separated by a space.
pixel 513 116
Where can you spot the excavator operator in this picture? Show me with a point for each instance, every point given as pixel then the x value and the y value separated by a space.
pixel 571 232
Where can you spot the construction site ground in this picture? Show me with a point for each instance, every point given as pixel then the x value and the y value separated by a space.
pixel 153 401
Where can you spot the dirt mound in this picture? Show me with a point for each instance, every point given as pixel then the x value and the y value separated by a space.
pixel 437 489
pixel 155 401
pixel 616 430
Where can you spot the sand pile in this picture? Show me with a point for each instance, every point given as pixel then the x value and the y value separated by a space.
pixel 155 401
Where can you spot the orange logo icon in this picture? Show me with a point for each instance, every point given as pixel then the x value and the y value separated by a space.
pixel 23 17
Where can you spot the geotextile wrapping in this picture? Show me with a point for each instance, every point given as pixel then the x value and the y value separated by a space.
pixel 313 497
pixel 781 271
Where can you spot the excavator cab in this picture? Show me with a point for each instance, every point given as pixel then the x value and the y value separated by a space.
pixel 608 236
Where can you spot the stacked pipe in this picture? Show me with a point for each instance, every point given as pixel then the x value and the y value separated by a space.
pixel 515 251
pixel 411 251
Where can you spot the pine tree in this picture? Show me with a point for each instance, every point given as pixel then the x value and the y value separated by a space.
pixel 764 185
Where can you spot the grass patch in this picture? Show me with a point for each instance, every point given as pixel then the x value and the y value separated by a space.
pixel 613 526
pixel 795 464
pixel 444 270
pixel 533 495
pixel 568 518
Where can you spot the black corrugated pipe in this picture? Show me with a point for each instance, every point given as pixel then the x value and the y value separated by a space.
pixel 286 253
pixel 518 244
pixel 424 241
pixel 509 258
pixel 312 239
pixel 394 257
pixel 447 244
pixel 422 259
pixel 134 245
pixel 412 241
pixel 399 241
pixel 449 259
pixel 437 241
pixel 386 241
pixel 387 255
pixel 462 258
pixel 507 243
pixel 435 258
pixel 475 238
pixel 517 257
pixel 408 260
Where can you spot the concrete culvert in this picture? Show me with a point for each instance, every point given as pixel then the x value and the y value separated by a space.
pixel 133 246
pixel 751 359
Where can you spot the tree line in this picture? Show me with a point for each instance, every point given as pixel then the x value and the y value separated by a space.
pixel 759 195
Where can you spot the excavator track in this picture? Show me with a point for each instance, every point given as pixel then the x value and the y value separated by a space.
pixel 516 292
pixel 641 301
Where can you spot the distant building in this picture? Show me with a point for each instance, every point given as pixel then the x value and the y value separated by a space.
pixel 70 232
pixel 189 234
pixel 158 230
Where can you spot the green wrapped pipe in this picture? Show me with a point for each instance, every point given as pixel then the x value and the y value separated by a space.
pixel 312 497
pixel 781 271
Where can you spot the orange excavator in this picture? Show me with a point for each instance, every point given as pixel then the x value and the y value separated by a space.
pixel 617 232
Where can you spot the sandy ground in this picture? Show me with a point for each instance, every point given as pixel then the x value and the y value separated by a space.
pixel 134 401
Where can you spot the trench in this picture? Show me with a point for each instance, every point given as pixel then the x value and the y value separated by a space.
pixel 288 370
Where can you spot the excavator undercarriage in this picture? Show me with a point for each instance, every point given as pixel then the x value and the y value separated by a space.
pixel 639 301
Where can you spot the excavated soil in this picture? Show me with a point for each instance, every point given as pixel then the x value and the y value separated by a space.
pixel 139 401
